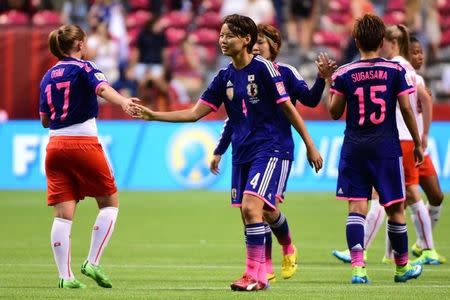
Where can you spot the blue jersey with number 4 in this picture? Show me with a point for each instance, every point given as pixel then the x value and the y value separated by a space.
pixel 371 88
pixel 68 92
pixel 250 96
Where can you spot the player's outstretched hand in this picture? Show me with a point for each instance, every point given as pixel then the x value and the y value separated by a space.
pixel 418 155
pixel 126 105
pixel 141 112
pixel 314 158
pixel 325 65
pixel 214 164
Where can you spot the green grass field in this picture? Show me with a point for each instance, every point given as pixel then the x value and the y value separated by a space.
pixel 189 245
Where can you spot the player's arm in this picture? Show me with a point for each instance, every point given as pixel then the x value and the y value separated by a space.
pixel 427 112
pixel 336 105
pixel 111 95
pixel 221 148
pixel 193 114
pixel 45 120
pixel 296 120
pixel 410 121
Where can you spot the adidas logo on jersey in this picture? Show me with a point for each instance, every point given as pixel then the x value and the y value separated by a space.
pixel 340 192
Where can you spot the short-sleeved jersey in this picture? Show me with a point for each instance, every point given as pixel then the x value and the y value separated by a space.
pixel 68 92
pixel 418 113
pixel 371 88
pixel 250 96
pixel 298 90
pixel 403 132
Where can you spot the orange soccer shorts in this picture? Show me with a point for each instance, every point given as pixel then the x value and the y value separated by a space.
pixel 409 163
pixel 427 168
pixel 76 167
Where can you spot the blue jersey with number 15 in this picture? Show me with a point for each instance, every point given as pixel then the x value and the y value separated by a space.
pixel 68 92
pixel 371 88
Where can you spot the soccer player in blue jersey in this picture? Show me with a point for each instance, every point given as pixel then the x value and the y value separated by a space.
pixel 371 155
pixel 251 89
pixel 268 46
pixel 75 163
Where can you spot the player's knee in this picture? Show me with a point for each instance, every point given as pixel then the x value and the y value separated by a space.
pixel 436 199
pixel 271 216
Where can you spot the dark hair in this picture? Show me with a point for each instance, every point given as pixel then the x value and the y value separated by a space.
pixel 62 40
pixel 242 26
pixel 273 37
pixel 401 35
pixel 369 32
pixel 413 39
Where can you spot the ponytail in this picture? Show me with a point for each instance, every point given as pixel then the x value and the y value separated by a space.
pixel 403 42
pixel 62 41
pixel 401 35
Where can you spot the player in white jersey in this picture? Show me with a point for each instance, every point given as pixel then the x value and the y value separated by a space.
pixel 428 179
pixel 397 49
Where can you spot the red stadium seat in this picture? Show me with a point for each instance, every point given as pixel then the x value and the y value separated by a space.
pixel 394 17
pixel 211 54
pixel 14 17
pixel 213 5
pixel 339 5
pixel 177 19
pixel 209 19
pixel 328 39
pixel 46 18
pixel 175 35
pixel 395 5
pixel 133 34
pixel 139 4
pixel 137 18
pixel 445 39
pixel 339 18
pixel 206 37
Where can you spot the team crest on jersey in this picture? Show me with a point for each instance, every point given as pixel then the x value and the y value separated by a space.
pixel 230 90
pixel 252 89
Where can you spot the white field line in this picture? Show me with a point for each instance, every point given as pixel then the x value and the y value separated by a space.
pixel 231 267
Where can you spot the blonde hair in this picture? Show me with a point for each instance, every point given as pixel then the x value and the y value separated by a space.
pixel 61 41
pixel 399 33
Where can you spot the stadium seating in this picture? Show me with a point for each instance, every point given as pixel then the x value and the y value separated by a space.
pixel 177 19
pixel 209 19
pixel 175 35
pixel 139 4
pixel 14 17
pixel 46 18
pixel 137 18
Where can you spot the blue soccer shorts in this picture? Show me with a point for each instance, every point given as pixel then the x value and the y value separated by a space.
pixel 259 178
pixel 285 170
pixel 357 176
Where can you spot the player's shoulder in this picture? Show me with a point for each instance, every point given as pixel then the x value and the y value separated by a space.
pixel 289 70
pixel 265 65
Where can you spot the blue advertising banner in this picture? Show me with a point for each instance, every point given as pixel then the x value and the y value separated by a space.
pixel 164 156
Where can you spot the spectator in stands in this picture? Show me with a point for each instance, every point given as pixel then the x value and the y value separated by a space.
pixel 104 51
pixel 358 8
pixel 301 23
pixel 185 66
pixel 75 12
pixel 149 70
pixel 432 27
pixel 111 13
